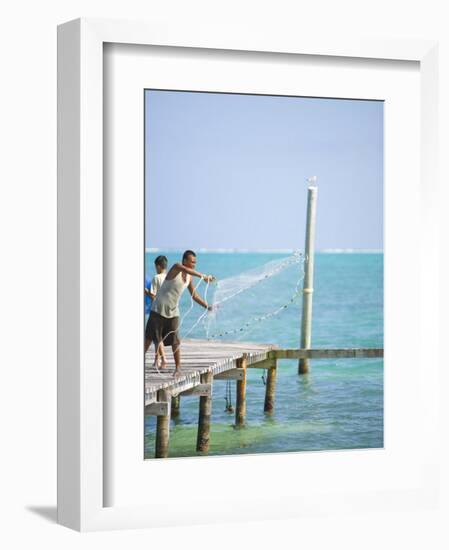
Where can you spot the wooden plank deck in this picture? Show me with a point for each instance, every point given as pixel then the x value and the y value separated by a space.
pixel 199 357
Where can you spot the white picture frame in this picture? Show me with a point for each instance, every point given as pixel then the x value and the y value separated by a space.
pixel 81 489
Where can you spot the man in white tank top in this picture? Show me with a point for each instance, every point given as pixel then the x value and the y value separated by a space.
pixel 163 323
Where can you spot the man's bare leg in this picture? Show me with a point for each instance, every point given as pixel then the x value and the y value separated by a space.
pixel 160 354
pixel 147 343
pixel 147 346
pixel 177 355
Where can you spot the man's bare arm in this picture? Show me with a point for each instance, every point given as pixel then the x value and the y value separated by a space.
pixel 150 294
pixel 196 298
pixel 181 267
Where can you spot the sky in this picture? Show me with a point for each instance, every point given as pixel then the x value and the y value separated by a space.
pixel 229 171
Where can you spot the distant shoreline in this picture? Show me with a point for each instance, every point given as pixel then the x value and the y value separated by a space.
pixel 267 251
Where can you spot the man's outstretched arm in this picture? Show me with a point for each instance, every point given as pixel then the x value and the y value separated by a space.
pixel 185 269
pixel 197 298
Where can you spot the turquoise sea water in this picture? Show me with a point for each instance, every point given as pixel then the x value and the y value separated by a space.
pixel 339 405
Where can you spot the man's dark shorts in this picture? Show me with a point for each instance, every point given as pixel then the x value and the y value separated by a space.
pixel 162 329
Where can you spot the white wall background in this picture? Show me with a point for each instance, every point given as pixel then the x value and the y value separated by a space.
pixel 28 269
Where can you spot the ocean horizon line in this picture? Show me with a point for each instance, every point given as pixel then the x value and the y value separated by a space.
pixel 267 250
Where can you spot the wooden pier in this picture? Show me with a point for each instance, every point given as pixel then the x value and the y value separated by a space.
pixel 204 361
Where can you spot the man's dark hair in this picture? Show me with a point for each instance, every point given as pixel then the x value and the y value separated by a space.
pixel 161 261
pixel 188 253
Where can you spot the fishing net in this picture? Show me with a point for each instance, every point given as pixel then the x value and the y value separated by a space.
pixel 243 301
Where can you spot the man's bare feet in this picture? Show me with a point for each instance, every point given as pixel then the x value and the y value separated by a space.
pixel 177 372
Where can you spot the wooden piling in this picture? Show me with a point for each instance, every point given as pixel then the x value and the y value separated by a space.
pixel 270 388
pixel 306 322
pixel 205 411
pixel 163 427
pixel 175 406
pixel 240 408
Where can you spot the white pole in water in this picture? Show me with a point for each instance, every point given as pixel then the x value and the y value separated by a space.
pixel 306 322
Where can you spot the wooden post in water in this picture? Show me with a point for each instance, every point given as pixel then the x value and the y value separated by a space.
pixel 175 406
pixel 163 427
pixel 306 322
pixel 205 411
pixel 240 406
pixel 270 388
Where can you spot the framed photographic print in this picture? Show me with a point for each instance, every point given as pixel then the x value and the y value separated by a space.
pixel 233 273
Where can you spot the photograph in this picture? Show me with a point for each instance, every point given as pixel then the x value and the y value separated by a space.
pixel 262 298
